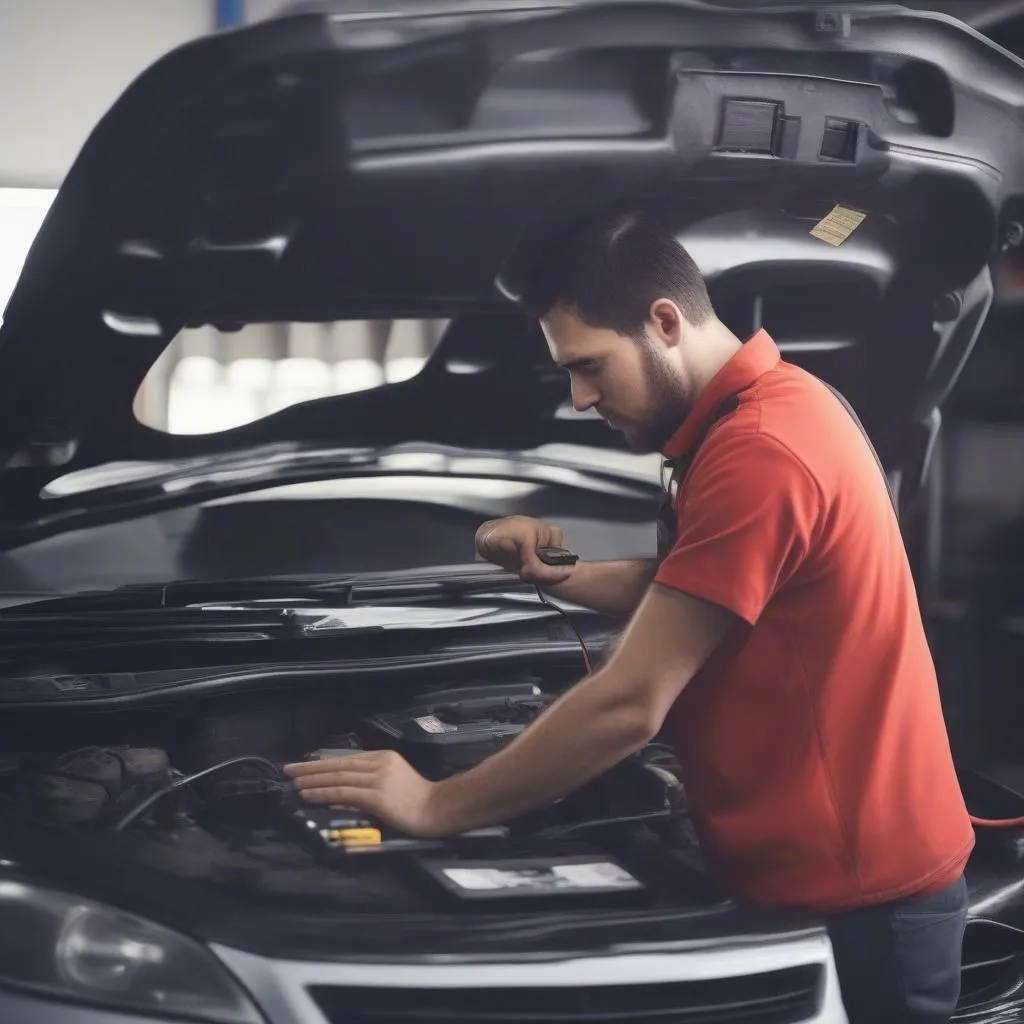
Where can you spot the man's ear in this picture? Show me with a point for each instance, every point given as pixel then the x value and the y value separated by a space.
pixel 668 322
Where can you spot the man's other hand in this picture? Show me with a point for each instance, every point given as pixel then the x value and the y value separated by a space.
pixel 513 542
pixel 381 783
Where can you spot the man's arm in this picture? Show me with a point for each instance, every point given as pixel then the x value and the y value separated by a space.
pixel 611 588
pixel 598 723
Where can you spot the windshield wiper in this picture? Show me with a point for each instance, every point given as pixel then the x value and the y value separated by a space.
pixel 102 622
pixel 299 609
pixel 277 592
pixel 194 595
pixel 50 634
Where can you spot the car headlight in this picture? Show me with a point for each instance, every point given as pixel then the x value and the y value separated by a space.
pixel 58 944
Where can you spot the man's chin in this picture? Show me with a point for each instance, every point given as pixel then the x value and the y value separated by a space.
pixel 640 444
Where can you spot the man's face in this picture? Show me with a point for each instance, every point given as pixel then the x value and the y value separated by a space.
pixel 634 385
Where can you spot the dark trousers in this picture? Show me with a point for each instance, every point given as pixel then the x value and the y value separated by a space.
pixel 899 963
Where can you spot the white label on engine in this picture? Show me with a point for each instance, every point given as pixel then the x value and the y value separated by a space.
pixel 596 875
pixel 477 878
pixel 433 724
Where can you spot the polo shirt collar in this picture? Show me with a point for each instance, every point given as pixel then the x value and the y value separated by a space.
pixel 756 357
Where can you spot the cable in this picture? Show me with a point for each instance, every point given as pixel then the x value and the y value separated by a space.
pixel 558 831
pixel 996 924
pixel 572 626
pixel 997 822
pixel 150 800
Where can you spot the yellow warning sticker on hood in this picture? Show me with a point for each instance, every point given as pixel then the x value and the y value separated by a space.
pixel 837 226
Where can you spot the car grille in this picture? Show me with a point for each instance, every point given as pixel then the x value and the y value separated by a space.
pixel 775 997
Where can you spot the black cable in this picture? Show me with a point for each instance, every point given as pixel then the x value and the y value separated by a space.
pixel 558 831
pixel 150 800
pixel 996 924
pixel 572 625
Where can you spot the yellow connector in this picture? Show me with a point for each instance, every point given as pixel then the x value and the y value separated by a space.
pixel 354 836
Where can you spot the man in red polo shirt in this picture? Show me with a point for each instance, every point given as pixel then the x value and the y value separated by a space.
pixel 777 641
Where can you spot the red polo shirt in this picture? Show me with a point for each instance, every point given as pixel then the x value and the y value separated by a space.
pixel 815 754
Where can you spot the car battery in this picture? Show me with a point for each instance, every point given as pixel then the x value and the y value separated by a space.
pixel 451 731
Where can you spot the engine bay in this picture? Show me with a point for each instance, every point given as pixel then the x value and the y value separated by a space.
pixel 199 792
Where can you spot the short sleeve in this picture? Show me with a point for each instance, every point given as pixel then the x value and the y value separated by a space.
pixel 748 514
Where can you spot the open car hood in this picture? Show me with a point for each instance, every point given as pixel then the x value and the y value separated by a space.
pixel 324 165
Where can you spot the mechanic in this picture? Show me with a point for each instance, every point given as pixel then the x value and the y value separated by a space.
pixel 776 643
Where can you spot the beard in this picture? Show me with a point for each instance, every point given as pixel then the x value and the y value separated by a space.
pixel 671 403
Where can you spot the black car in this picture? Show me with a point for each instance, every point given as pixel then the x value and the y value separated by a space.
pixel 184 613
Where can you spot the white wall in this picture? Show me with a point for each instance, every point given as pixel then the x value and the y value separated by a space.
pixel 21 214
pixel 64 62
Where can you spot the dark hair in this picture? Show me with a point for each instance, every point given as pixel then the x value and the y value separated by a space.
pixel 611 269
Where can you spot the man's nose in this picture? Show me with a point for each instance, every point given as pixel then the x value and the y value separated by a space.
pixel 584 396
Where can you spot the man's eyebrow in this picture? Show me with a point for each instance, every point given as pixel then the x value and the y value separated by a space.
pixel 575 364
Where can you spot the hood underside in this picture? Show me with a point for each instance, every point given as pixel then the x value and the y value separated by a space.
pixel 322 166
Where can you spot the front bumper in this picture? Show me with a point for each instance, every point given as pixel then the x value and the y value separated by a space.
pixel 283 988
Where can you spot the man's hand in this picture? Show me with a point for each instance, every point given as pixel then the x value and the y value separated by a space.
pixel 380 783
pixel 611 588
pixel 512 543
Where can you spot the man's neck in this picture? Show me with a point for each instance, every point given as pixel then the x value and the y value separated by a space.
pixel 716 347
